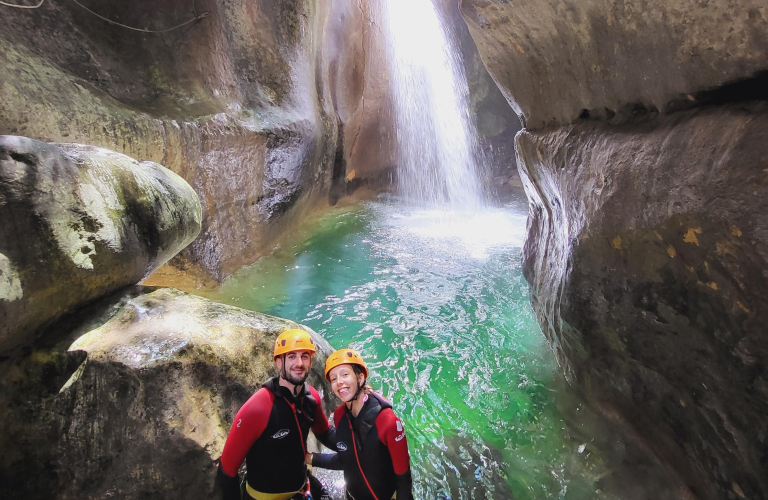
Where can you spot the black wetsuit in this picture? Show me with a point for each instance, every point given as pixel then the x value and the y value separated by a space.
pixel 372 452
pixel 270 434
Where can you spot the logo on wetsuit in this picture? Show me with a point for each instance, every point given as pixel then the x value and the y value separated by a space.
pixel 281 434
pixel 341 446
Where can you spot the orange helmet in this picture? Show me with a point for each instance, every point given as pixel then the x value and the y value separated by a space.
pixel 344 357
pixel 293 340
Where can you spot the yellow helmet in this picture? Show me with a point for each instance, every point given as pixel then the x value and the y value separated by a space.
pixel 344 357
pixel 293 340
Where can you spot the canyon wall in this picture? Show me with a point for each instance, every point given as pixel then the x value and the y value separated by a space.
pixel 644 159
pixel 266 109
pixel 131 395
pixel 238 102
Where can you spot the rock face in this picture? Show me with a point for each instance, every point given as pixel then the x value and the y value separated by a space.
pixel 655 297
pixel 239 103
pixel 367 146
pixel 643 159
pixel 558 59
pixel 77 223
pixel 141 404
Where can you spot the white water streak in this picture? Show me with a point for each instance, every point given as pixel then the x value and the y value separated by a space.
pixel 437 141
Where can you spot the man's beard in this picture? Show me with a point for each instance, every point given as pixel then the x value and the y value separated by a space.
pixel 293 379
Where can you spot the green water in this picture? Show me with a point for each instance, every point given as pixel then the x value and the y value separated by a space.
pixel 439 309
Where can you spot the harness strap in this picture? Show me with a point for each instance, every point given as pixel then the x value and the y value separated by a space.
pixel 354 446
pixel 258 495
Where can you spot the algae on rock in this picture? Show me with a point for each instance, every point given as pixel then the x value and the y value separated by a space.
pixel 77 223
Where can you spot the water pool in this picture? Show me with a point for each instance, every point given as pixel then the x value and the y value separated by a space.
pixel 437 305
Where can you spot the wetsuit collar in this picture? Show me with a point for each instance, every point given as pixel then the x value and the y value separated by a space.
pixel 364 421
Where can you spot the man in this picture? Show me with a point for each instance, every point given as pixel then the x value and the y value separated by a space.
pixel 270 430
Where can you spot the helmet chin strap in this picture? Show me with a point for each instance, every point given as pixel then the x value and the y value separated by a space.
pixel 360 387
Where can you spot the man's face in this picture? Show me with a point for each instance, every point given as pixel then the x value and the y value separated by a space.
pixel 297 365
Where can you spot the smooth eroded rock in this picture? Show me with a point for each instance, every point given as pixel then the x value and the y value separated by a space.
pixel 77 223
pixel 140 405
pixel 647 255
pixel 556 60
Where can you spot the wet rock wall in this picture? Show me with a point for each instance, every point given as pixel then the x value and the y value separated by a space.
pixel 644 162
pixel 237 102
pixel 655 298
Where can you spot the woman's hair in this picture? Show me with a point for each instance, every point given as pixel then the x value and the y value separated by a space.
pixel 359 371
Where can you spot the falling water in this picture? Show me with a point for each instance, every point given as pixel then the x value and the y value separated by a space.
pixel 437 140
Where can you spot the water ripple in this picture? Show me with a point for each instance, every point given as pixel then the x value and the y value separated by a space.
pixel 437 305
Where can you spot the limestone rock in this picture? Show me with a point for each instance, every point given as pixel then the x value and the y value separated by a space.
pixel 140 405
pixel 555 60
pixel 647 256
pixel 643 160
pixel 239 103
pixel 77 223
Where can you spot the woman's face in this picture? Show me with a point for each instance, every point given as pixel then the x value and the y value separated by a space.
pixel 344 382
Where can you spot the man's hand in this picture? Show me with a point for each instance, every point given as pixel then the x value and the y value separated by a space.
pixel 308 458
pixel 229 486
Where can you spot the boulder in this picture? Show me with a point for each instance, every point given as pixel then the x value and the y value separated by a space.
pixel 647 259
pixel 140 404
pixel 77 223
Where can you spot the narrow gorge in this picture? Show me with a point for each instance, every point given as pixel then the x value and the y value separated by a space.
pixel 183 180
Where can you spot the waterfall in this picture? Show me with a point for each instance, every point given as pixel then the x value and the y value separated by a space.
pixel 438 150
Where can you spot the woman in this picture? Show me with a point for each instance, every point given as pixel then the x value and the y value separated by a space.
pixel 373 451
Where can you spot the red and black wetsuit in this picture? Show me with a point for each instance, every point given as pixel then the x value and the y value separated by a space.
pixel 270 434
pixel 372 451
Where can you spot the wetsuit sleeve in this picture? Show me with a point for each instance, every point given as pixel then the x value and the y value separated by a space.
pixel 392 434
pixel 250 422
pixel 327 461
pixel 324 432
